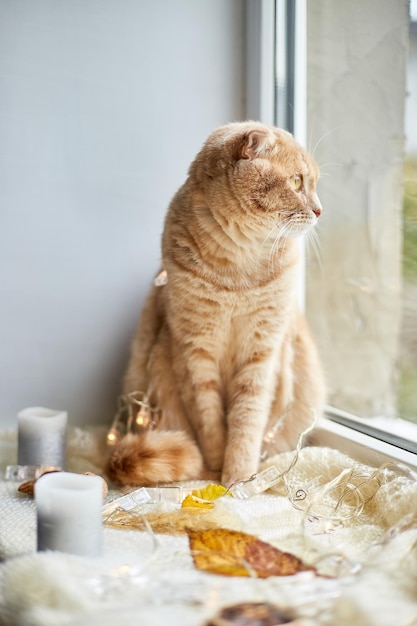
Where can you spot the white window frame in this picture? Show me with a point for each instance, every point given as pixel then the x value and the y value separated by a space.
pixel 378 440
pixel 369 447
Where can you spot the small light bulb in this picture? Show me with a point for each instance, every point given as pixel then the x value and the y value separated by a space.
pixel 142 417
pixel 112 437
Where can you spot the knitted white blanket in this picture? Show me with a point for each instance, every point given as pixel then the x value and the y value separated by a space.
pixel 359 526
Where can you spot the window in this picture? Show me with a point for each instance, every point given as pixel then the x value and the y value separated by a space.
pixel 360 290
pixel 355 299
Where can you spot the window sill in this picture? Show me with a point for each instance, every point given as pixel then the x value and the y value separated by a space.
pixel 339 430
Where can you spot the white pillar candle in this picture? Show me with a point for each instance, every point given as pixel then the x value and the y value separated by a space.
pixel 69 513
pixel 42 437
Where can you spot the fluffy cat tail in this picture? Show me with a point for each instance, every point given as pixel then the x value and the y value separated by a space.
pixel 153 457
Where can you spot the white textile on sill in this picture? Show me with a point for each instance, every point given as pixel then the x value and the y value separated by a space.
pixel 151 580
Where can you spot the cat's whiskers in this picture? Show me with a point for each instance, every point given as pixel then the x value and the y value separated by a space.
pixel 325 165
pixel 260 257
pixel 266 238
pixel 329 164
pixel 274 249
pixel 279 245
pixel 278 239
pixel 313 242
pixel 322 138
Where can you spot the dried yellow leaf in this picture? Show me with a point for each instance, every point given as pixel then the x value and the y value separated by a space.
pixel 204 498
pixel 195 501
pixel 235 553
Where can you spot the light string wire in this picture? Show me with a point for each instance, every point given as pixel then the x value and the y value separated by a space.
pixel 134 414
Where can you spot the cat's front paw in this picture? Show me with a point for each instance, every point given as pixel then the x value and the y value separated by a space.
pixel 235 475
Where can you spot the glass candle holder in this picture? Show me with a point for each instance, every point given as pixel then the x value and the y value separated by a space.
pixel 42 437
pixel 69 513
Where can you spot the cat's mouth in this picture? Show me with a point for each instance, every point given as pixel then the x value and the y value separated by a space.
pixel 297 223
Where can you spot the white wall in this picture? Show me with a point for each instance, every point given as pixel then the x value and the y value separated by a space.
pixel 103 105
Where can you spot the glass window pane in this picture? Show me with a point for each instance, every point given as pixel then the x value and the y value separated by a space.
pixel 361 290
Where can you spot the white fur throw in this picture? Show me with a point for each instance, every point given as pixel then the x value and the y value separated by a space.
pixel 330 511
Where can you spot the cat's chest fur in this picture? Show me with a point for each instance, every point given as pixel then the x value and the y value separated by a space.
pixel 231 326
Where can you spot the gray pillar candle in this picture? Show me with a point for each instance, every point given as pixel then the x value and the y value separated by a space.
pixel 69 513
pixel 42 437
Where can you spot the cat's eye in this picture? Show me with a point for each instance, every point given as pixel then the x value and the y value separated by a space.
pixel 296 182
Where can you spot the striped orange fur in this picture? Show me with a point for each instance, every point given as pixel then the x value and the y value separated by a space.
pixel 222 348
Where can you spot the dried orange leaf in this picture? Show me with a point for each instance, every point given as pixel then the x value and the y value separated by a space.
pixel 234 553
pixel 251 614
pixel 203 498
pixel 28 488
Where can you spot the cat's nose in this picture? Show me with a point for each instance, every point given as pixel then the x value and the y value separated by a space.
pixel 317 210
pixel 315 204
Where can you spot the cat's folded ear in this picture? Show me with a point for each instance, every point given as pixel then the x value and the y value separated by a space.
pixel 256 142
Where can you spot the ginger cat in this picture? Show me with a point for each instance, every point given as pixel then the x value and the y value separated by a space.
pixel 222 348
